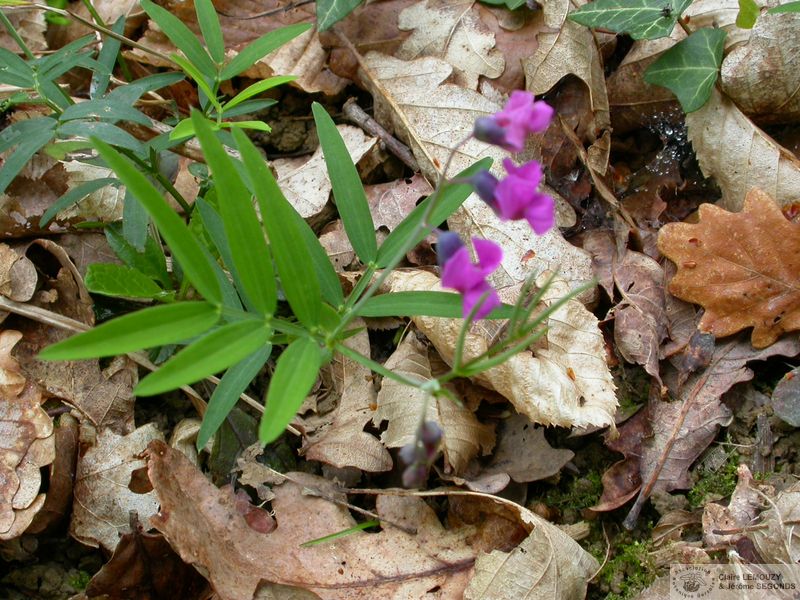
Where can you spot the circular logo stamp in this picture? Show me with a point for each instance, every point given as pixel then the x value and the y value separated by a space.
pixel 691 581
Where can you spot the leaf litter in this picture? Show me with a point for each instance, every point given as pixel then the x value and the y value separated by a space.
pixel 431 68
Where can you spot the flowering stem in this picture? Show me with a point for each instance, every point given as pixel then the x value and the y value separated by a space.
pixel 375 366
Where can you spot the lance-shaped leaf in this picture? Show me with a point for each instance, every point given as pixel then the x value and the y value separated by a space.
pixel 245 236
pixel 232 384
pixel 255 89
pixel 210 354
pixel 429 304
pixel 185 248
pixel 183 38
pixel 261 47
pixel 690 68
pixel 330 12
pixel 292 257
pixel 640 19
pixel 295 373
pixel 351 201
pixel 117 280
pixel 168 324
pixel 209 27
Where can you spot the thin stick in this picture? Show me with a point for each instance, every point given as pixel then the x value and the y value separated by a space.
pixel 353 112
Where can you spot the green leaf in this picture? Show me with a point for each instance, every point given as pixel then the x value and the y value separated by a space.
pixel 184 128
pixel 131 92
pixel 641 19
pixel 107 110
pixel 748 14
pixel 106 60
pixel 292 257
pixel 183 38
pixel 210 354
pixel 182 243
pixel 248 246
pixel 117 280
pixel 105 131
pixel 24 152
pixel 14 70
pixel 135 221
pixel 789 7
pixel 347 189
pixel 690 68
pixel 295 373
pixel 230 387
pixel 209 27
pixel 148 328
pixel 427 304
pixel 257 125
pixel 199 79
pixel 330 12
pixel 256 88
pixel 249 106
pixel 259 48
pixel 74 196
pixel 450 198
pixel 151 261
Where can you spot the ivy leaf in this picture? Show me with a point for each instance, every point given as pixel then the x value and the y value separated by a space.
pixel 333 11
pixel 690 68
pixel 748 13
pixel 641 19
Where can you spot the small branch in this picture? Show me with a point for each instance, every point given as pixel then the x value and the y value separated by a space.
pixel 354 113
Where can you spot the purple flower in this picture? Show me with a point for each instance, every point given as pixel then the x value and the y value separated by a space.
pixel 511 126
pixel 515 197
pixel 418 456
pixel 461 274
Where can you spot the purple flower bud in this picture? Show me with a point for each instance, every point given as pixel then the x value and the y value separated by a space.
pixel 408 453
pixel 447 244
pixel 488 130
pixel 430 433
pixel 415 476
pixel 485 185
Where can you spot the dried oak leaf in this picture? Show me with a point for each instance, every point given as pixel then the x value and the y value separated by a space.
pixel 103 499
pixel 402 406
pixel 743 268
pixel 27 444
pixel 203 525
pixel 564 380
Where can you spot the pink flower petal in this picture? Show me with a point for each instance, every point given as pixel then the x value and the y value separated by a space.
pixel 490 255
pixel 473 296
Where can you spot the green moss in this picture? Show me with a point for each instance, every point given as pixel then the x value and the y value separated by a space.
pixel 629 571
pixel 719 482
pixel 79 580
pixel 576 494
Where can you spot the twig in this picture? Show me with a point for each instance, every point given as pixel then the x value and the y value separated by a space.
pixel 267 13
pixel 353 112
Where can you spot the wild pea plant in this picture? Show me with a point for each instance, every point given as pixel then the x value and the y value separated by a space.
pixel 280 288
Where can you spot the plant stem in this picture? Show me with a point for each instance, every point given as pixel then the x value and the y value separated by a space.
pixel 16 37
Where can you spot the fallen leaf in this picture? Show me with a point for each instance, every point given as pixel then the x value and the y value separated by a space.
pixel 454 32
pixel 337 246
pixel 404 407
pixel 305 181
pixel 103 500
pixel 145 566
pixel 751 158
pixel 339 438
pixel 723 526
pixel 18 277
pixel 762 76
pixel 523 452
pixel 565 380
pixel 27 446
pixel 786 398
pixel 623 479
pixel 391 202
pixel 740 267
pixel 31 27
pixel 778 539
pixel 720 14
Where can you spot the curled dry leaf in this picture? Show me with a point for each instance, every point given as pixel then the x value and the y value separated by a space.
pixel 453 31
pixel 27 444
pixel 725 525
pixel 778 539
pixel 339 438
pixel 762 77
pixel 786 398
pixel 18 277
pixel 305 181
pixel 403 407
pixel 564 381
pixel 743 268
pixel 103 500
pixel 751 159
pixel 203 525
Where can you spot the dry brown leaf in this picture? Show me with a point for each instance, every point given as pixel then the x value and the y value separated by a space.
pixel 524 453
pixel 28 444
pixel 202 524
pixel 453 31
pixel 750 158
pixel 391 202
pixel 339 438
pixel 565 380
pixel 305 181
pixel 31 27
pixel 778 538
pixel 337 246
pixel 18 277
pixel 103 500
pixel 741 267
pixel 640 323
pixel 566 48
pixel 741 512
pixel 763 76
pixel 403 407
pixel 721 14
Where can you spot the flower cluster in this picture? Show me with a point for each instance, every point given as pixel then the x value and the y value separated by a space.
pixel 512 198
pixel 418 456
